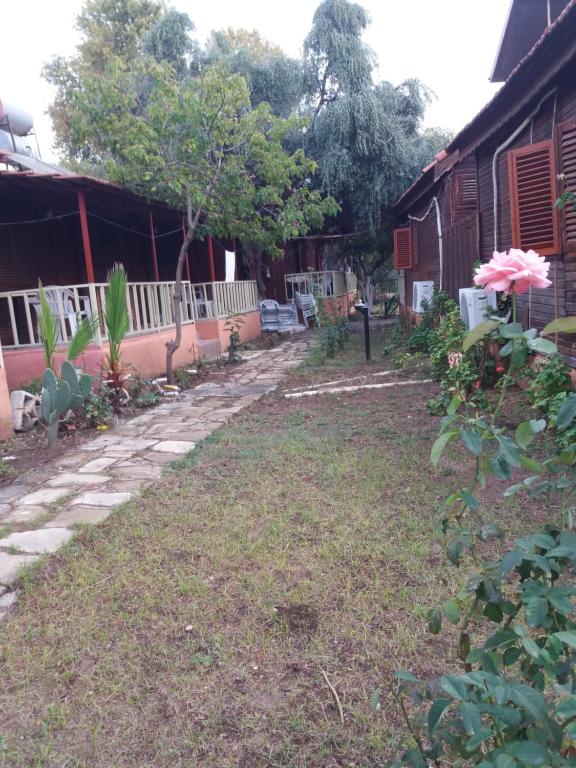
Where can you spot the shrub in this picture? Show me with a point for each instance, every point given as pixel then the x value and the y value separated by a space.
pixel 421 337
pixel 514 705
pixel 549 380
pixel 97 409
pixel 460 373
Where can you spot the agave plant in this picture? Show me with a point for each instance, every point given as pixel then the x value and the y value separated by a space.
pixel 117 324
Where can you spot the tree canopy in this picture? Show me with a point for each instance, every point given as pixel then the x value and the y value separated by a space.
pixel 197 145
pixel 271 76
pixel 365 136
pixel 108 28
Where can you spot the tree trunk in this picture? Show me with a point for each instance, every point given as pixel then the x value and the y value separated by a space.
pixel 253 262
pixel 174 344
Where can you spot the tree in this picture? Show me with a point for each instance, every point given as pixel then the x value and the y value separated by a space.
pixel 108 28
pixel 366 136
pixel 198 146
pixel 169 40
pixel 337 62
pixel 271 76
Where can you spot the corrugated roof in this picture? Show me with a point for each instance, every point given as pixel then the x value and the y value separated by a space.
pixel 33 164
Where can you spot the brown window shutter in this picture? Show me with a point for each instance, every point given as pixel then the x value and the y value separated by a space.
pixel 533 192
pixel 464 193
pixel 403 248
pixel 567 166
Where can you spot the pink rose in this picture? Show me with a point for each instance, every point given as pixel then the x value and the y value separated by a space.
pixel 513 272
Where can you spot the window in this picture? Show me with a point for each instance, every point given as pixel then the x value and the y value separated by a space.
pixel 533 192
pixel 567 163
pixel 403 248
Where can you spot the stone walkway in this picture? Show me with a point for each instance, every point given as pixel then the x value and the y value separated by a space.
pixel 84 485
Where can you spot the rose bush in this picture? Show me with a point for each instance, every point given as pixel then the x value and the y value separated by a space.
pixel 514 705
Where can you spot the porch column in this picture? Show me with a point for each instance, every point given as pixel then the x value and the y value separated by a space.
pixel 235 259
pixel 153 246
pixel 88 262
pixel 187 254
pixel 85 237
pixel 211 260
pixel 6 430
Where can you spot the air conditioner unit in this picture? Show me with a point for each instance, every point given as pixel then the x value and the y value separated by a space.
pixel 476 305
pixel 422 290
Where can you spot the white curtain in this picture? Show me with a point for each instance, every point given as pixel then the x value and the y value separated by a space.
pixel 230 266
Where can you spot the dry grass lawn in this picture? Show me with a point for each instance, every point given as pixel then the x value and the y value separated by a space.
pixel 192 628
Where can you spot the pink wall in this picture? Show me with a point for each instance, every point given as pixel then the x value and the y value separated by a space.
pixel 145 353
pixel 5 408
pixel 216 329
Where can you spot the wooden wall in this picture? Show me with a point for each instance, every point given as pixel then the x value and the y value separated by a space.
pixel 472 238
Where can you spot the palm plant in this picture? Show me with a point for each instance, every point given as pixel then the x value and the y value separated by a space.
pixel 47 328
pixel 48 332
pixel 117 323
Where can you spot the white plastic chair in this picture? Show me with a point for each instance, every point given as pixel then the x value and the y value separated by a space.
pixel 68 306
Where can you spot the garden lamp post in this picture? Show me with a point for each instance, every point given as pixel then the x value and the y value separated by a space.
pixel 361 307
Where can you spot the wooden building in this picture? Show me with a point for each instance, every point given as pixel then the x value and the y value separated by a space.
pixel 67 230
pixel 495 185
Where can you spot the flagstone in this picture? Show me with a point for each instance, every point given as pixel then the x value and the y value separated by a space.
pixel 174 446
pixel 80 514
pixel 25 513
pixel 97 465
pixel 37 542
pixel 144 470
pixel 45 496
pixel 101 499
pixel 10 565
pixel 67 478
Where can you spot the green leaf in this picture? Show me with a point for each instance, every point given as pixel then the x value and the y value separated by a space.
pixel 511 331
pixel 454 405
pixel 560 325
pixel 436 713
pixel 567 412
pixel 530 700
pixel 566 708
pixel 531 464
pixel 439 445
pixel 406 676
pixel 83 337
pixel 568 638
pixel 472 441
pixel 469 500
pixel 471 718
pixel 479 738
pixel 524 434
pixel 434 621
pixel 454 687
pixel 451 610
pixel 477 333
pixel 536 611
pixel 529 752
pixel 509 451
pixel 375 700
pixel 542 346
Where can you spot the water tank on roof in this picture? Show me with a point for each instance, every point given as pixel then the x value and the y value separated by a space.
pixel 20 119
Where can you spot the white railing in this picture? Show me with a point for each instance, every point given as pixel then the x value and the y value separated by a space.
pixel 150 309
pixel 150 305
pixel 219 300
pixel 328 284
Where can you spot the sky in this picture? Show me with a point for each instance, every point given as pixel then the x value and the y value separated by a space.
pixel 449 45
